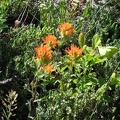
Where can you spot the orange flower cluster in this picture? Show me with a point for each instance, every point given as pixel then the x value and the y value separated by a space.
pixel 66 29
pixel 43 52
pixel 74 51
pixel 48 68
pixel 50 40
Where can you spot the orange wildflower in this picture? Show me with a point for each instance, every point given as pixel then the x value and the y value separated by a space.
pixel 43 52
pixel 66 29
pixel 74 51
pixel 48 68
pixel 50 40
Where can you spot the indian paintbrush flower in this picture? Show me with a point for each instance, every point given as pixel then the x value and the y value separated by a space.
pixel 50 40
pixel 66 29
pixel 74 51
pixel 73 54
pixel 48 68
pixel 43 53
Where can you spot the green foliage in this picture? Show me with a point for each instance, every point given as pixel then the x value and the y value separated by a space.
pixel 114 79
pixel 2 25
pixel 82 83
pixel 9 7
pixel 107 51
pixel 95 41
pixel 81 40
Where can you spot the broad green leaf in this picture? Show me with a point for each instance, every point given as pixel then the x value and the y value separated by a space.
pixel 2 25
pixel 88 57
pixel 114 79
pixel 95 59
pixel 81 40
pixel 101 81
pixel 75 81
pixel 113 76
pixel 95 41
pixel 107 51
pixel 2 20
pixel 89 83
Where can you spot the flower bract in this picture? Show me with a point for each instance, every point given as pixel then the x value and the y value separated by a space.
pixel 66 29
pixel 50 40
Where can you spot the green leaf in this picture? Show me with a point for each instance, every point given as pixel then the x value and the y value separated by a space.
pixel 107 51
pixel 89 83
pixel 96 59
pixel 100 92
pixel 62 85
pixel 2 20
pixel 81 40
pixel 87 10
pixel 114 80
pixel 87 49
pixel 88 57
pixel 63 68
pixel 93 59
pixel 1 24
pixel 95 41
pixel 101 81
pixel 75 81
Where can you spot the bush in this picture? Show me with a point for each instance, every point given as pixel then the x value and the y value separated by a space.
pixel 62 65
